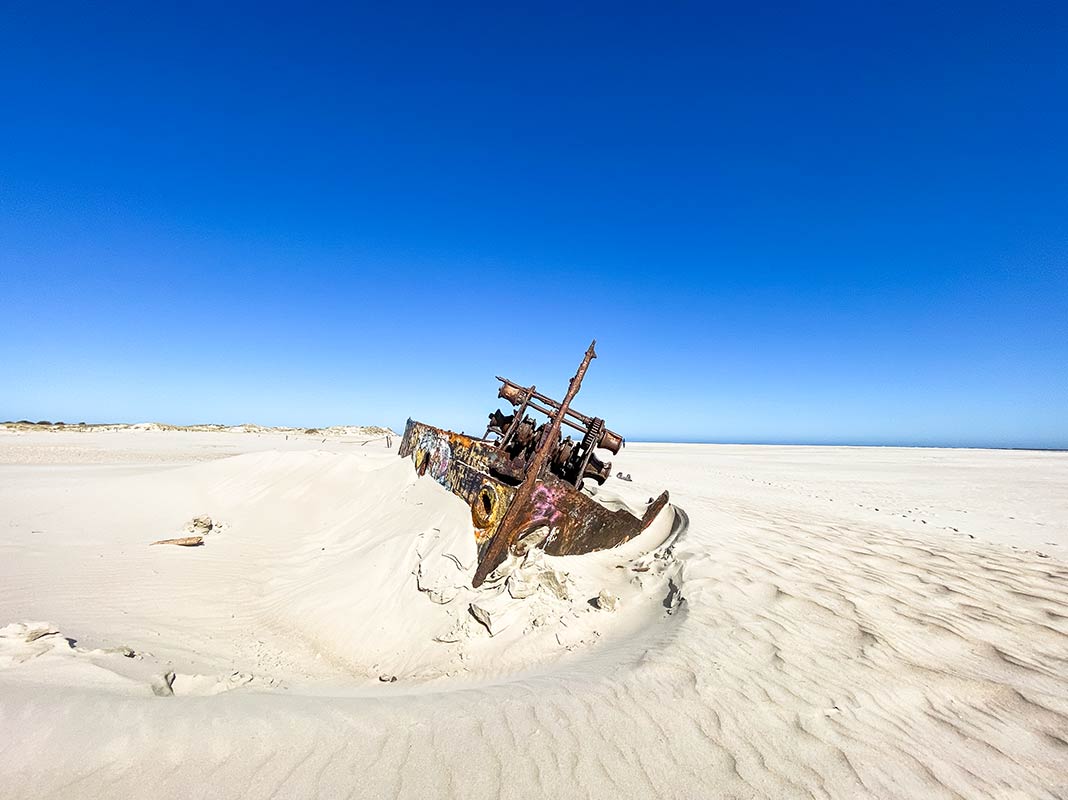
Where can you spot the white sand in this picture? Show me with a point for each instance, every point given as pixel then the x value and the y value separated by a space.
pixel 857 623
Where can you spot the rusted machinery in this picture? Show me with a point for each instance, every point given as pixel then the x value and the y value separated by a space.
pixel 522 479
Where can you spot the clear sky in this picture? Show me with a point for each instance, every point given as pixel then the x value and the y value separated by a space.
pixel 811 223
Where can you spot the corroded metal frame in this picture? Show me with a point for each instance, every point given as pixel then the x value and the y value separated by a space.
pixel 576 522
pixel 506 505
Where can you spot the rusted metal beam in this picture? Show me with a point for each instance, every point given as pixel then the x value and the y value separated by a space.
pixel 517 417
pixel 500 543
pixel 531 394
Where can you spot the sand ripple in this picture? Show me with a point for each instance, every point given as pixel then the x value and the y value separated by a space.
pixel 818 653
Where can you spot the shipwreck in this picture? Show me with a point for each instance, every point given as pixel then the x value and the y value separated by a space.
pixel 524 479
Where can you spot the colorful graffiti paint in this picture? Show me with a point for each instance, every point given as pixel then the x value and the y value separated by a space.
pixel 476 471
pixel 437 453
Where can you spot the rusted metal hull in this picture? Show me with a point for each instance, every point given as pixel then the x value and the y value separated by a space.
pixel 478 472
pixel 524 486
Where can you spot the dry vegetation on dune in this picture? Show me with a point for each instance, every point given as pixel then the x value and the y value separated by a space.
pixel 834 623
pixel 25 426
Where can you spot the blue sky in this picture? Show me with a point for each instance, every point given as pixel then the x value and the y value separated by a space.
pixel 829 223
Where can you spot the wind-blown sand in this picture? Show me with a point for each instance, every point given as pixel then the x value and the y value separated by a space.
pixel 856 622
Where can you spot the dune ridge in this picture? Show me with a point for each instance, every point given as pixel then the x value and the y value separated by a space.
pixel 819 644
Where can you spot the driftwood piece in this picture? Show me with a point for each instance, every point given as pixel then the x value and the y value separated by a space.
pixel 184 541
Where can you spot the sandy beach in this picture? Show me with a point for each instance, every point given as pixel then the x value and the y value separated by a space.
pixel 817 622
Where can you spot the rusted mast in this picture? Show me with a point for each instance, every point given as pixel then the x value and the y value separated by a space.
pixel 503 540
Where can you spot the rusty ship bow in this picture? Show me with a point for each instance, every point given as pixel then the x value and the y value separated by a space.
pixel 523 479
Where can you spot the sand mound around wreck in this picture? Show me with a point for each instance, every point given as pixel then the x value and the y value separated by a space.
pixel 329 570
pixel 858 623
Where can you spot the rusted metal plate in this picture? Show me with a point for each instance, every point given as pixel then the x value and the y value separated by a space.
pixel 577 523
pixel 527 480
pixel 462 465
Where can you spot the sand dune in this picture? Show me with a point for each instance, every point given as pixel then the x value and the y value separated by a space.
pixel 855 623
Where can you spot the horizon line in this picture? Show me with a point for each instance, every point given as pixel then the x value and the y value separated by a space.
pixel 643 440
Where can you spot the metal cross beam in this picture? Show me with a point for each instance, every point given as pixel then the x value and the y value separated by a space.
pixel 506 533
